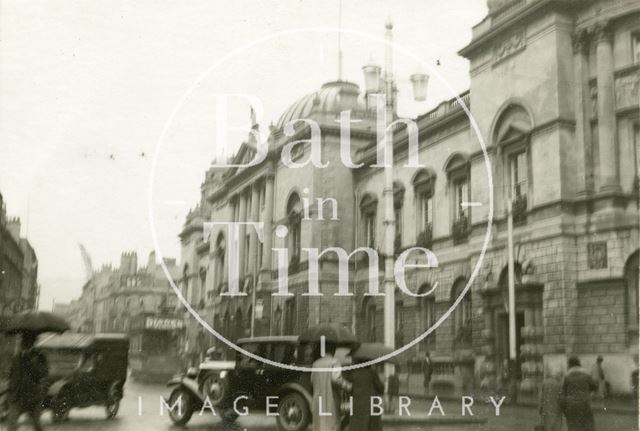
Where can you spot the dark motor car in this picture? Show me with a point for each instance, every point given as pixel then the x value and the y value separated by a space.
pixel 250 382
pixel 84 370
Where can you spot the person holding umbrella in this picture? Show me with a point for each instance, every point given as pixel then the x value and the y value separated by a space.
pixel 366 385
pixel 327 385
pixel 28 368
pixel 326 391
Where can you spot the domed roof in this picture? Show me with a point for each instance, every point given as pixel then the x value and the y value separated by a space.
pixel 333 98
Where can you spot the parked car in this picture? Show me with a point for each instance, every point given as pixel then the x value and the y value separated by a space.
pixel 84 370
pixel 223 382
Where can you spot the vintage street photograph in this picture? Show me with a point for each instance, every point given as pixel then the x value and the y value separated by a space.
pixel 294 215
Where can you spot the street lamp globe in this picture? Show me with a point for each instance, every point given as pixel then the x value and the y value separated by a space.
pixel 419 82
pixel 372 77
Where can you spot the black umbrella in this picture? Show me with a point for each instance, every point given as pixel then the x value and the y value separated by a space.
pixel 332 333
pixel 371 351
pixel 35 322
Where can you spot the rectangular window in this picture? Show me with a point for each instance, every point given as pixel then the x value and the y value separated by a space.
pixel 263 194
pixel 635 46
pixel 461 188
pixel 370 230
pixel 245 263
pixel 518 171
pixel 398 217
pixel 425 211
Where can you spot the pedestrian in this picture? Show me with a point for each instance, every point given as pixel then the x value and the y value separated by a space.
pixel 393 390
pixel 597 374
pixel 575 398
pixel 366 384
pixel 427 371
pixel 327 387
pixel 550 400
pixel 25 391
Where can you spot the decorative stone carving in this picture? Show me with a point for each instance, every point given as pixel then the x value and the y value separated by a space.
pixel 627 90
pixel 597 255
pixel 509 46
pixel 602 32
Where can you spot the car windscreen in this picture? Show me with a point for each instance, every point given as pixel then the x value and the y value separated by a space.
pixel 62 362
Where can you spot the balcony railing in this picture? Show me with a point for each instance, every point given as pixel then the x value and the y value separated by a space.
pixel 460 231
pixel 519 209
pixel 425 238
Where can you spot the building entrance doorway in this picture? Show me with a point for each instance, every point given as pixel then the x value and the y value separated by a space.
pixel 502 341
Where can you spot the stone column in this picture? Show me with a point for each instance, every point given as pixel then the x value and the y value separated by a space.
pixel 253 242
pixel 606 110
pixel 268 227
pixel 582 100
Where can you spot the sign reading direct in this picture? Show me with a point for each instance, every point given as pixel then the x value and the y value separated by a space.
pixel 161 323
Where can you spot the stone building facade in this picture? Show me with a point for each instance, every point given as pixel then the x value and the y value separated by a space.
pixel 19 288
pixel 113 296
pixel 554 96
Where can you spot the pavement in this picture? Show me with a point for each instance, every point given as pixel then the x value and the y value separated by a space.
pixel 147 398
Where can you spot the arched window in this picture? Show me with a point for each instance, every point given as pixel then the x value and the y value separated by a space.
pixel 427 313
pixel 511 135
pixel 369 309
pixel 294 216
pixel 423 187
pixel 368 211
pixel 462 313
pixel 457 169
pixel 399 324
pixel 203 280
pixel 238 325
pixel 631 281
pixel 290 316
pixel 219 262
pixel 277 321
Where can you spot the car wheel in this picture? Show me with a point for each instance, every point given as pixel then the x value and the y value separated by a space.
pixel 183 411
pixel 112 404
pixel 61 407
pixel 215 388
pixel 293 413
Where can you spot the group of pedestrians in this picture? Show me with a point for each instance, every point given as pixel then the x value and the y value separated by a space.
pixel 570 396
pixel 360 383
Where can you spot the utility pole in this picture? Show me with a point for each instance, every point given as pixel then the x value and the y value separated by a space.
pixel 512 304
pixel 389 213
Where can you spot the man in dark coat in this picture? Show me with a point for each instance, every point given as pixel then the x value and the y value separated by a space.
pixel 576 397
pixel 427 371
pixel 28 369
pixel 366 384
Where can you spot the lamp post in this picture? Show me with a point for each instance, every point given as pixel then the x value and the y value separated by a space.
pixel 372 85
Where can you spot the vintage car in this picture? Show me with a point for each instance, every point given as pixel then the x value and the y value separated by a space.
pixel 84 370
pixel 249 382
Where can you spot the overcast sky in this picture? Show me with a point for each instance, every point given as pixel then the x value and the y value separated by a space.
pixel 88 86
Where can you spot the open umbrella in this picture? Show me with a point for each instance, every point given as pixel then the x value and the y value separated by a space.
pixel 371 351
pixel 35 322
pixel 332 333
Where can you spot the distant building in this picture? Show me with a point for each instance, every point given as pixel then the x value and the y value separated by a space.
pixel 113 296
pixel 19 289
